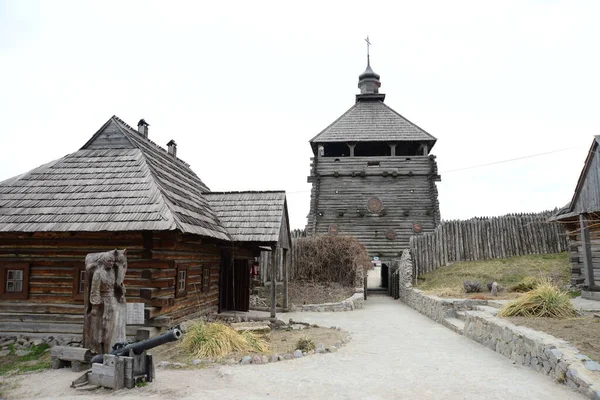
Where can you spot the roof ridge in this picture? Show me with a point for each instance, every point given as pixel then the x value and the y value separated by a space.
pixel 135 132
pixel 154 182
pixel 409 121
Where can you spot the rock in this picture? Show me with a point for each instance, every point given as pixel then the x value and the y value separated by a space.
pixel 4 353
pixel 265 359
pixel 256 359
pixel 21 353
pixel 298 354
pixel 274 358
pixel 288 356
pixel 178 365
pixel 280 358
pixel 8 342
pixel 38 342
pixel 592 365
pixel 338 344
pixel 246 360
pixel 163 364
pixel 197 361
pixel 304 354
pixel 320 348
pixel 332 349
pixel 494 290
pixel 311 352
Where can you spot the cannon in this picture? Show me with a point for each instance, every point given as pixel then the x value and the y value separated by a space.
pixel 126 364
pixel 124 349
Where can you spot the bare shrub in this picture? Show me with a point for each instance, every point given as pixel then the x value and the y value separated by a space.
pixel 326 259
pixel 472 287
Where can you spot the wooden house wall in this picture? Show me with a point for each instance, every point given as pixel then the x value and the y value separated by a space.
pixel 588 197
pixel 405 185
pixel 152 258
pixel 576 254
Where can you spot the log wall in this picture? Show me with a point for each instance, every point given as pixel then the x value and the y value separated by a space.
pixel 54 259
pixel 342 188
pixel 487 238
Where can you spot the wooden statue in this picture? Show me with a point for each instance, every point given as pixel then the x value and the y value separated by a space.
pixel 104 299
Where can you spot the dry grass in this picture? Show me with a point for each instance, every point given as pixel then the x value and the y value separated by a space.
pixel 546 300
pixel 209 340
pixel 448 281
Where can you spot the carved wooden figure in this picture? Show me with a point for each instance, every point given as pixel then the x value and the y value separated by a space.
pixel 104 298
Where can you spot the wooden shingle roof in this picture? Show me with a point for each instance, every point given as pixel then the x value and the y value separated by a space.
pixel 252 216
pixel 118 181
pixel 586 198
pixel 372 121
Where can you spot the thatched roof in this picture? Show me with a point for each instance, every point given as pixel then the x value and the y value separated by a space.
pixel 118 181
pixel 253 216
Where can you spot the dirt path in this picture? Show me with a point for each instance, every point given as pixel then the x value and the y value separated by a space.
pixel 396 353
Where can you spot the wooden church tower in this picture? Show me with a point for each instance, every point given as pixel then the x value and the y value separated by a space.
pixel 373 176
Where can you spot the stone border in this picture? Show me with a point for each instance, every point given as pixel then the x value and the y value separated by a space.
pixel 524 346
pixel 356 301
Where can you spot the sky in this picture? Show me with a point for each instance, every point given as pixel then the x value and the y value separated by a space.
pixel 243 86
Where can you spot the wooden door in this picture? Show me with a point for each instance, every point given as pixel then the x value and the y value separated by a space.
pixel 235 285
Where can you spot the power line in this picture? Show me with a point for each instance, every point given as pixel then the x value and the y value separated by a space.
pixel 487 164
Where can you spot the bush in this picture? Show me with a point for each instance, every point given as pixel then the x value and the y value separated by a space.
pixel 305 344
pixel 525 285
pixel 327 259
pixel 207 340
pixel 546 300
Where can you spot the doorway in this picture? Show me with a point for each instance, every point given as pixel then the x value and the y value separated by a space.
pixel 235 285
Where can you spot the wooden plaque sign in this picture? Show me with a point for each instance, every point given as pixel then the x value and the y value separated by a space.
pixel 375 205
pixel 135 313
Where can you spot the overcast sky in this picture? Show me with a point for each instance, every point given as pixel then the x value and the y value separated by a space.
pixel 242 87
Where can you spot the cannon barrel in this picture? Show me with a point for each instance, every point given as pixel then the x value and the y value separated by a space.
pixel 171 335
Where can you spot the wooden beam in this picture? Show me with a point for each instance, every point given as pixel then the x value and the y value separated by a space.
pixel 273 280
pixel 285 278
pixel 588 263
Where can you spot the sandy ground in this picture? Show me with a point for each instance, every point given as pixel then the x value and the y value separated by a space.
pixel 395 353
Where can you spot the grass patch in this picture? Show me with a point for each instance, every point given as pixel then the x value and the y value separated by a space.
pixel 305 344
pixel 546 300
pixel 508 272
pixel 38 359
pixel 209 340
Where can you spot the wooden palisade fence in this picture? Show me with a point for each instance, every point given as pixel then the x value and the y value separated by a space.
pixel 486 238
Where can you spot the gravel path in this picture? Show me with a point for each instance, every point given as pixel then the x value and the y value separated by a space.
pixel 395 353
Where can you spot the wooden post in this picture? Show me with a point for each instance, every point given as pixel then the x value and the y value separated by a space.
pixel 273 280
pixel 587 251
pixel 351 146
pixel 392 149
pixel 285 278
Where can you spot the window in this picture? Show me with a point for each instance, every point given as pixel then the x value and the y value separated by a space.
pixel 181 283
pixel 14 281
pixel 78 282
pixel 206 279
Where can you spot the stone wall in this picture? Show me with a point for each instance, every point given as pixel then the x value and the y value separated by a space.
pixel 356 301
pixel 538 350
pixel 524 346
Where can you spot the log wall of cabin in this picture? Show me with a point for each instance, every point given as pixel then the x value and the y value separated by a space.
pixel 341 188
pixel 576 254
pixel 153 257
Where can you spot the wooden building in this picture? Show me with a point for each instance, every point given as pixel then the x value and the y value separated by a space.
pixel 258 220
pixel 120 190
pixel 373 176
pixel 581 218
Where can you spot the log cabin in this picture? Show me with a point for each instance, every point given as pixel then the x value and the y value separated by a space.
pixel 120 190
pixel 581 218
pixel 373 176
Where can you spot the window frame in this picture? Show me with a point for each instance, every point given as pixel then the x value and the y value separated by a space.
pixel 77 271
pixel 185 270
pixel 24 293
pixel 205 282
